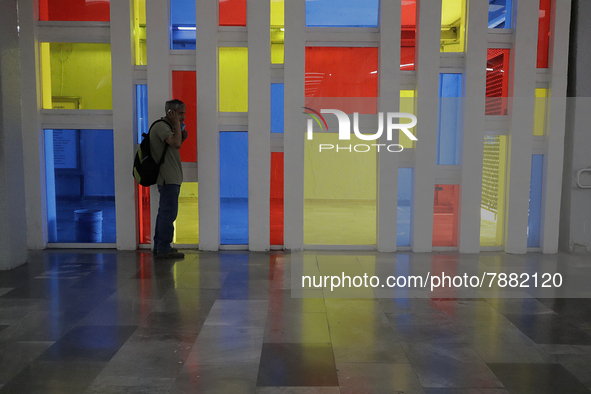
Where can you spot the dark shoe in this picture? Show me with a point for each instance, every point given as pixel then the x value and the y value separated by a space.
pixel 155 252
pixel 171 254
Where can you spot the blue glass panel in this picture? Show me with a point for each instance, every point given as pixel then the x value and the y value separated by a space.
pixel 404 206
pixel 276 108
pixel 342 13
pixel 141 107
pixel 182 24
pixel 535 201
pixel 499 14
pixel 80 172
pixel 450 119
pixel 234 188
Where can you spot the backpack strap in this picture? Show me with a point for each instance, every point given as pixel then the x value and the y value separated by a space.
pixel 165 144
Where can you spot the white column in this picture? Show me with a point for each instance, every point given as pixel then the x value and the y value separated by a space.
pixel 389 101
pixel 259 123
pixel 427 93
pixel 558 62
pixel 35 168
pixel 473 134
pixel 521 123
pixel 13 223
pixel 123 141
pixel 208 136
pixel 295 124
pixel 159 76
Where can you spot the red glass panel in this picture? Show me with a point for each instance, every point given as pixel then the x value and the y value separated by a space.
pixel 409 30
pixel 184 88
pixel 143 197
pixel 497 81
pixel 544 33
pixel 445 215
pixel 342 72
pixel 276 198
pixel 232 12
pixel 74 10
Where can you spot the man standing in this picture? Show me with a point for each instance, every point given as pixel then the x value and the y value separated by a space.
pixel 169 131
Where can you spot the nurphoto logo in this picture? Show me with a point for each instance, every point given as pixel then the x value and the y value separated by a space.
pixel 345 130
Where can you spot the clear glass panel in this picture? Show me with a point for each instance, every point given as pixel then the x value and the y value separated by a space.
pixel 492 206
pixel 234 188
pixel 277 31
pixel 409 32
pixel 184 88
pixel 79 170
pixel 404 206
pixel 445 215
pixel 277 107
pixel 74 10
pixel 233 79
pixel 232 12
pixel 535 201
pixel 143 193
pixel 497 81
pixel 342 13
pixel 339 193
pixel 540 111
pixel 139 32
pixel 499 14
pixel 453 25
pixel 183 24
pixel 141 106
pixel 450 119
pixel 187 221
pixel 276 198
pixel 76 76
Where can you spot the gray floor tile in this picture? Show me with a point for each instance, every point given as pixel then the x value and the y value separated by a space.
pixel 232 378
pixel 297 328
pixel 371 378
pixel 238 313
pixel 227 344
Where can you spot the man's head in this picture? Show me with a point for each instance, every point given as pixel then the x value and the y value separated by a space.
pixel 175 106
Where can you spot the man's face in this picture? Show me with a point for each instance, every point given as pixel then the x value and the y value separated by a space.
pixel 181 112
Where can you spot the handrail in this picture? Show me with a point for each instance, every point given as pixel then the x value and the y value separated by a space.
pixel 579 178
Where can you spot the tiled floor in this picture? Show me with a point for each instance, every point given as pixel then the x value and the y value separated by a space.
pixel 116 322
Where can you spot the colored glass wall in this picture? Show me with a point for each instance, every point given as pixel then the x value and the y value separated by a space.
pixel 341 72
pixel 277 31
pixel 234 188
pixel 404 206
pixel 500 14
pixel 453 25
pixel 76 76
pixel 544 33
pixel 407 105
pixel 277 107
pixel 408 36
pixel 184 88
pixel 232 12
pixel 492 205
pixel 339 193
pixel 276 219
pixel 143 212
pixel 79 171
pixel 187 222
pixel 139 32
pixel 74 10
pixel 540 111
pixel 535 201
pixel 342 13
pixel 445 215
pixel 497 81
pixel 182 24
pixel 450 119
pixel 233 79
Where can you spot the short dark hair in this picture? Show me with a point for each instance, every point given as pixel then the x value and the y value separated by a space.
pixel 173 105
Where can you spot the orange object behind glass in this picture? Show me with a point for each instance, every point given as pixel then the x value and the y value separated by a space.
pixel 184 88
pixel 232 12
pixel 497 81
pixel 445 215
pixel 276 198
pixel 408 38
pixel 74 10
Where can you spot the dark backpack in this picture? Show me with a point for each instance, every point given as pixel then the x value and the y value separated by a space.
pixel 145 168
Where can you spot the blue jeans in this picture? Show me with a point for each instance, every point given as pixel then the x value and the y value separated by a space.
pixel 167 213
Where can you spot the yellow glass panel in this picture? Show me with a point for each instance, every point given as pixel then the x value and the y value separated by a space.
pixel 453 25
pixel 187 221
pixel 339 193
pixel 540 111
pixel 76 76
pixel 407 104
pixel 277 31
pixel 233 82
pixel 492 207
pixel 139 31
